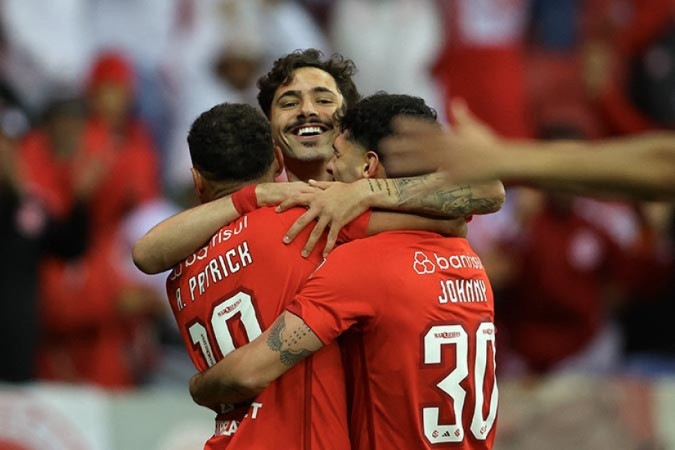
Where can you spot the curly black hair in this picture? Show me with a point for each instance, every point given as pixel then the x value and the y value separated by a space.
pixel 231 142
pixel 369 121
pixel 341 69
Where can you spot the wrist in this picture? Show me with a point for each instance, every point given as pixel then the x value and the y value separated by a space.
pixel 263 194
pixel 245 199
pixel 365 194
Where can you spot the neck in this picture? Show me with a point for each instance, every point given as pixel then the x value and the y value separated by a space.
pixel 218 190
pixel 306 170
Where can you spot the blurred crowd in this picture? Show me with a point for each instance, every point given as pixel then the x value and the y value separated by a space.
pixel 96 97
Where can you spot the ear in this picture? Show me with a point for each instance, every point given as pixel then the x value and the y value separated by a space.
pixel 198 182
pixel 278 160
pixel 372 166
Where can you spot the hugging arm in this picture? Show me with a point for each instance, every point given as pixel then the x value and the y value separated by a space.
pixel 248 370
pixel 177 237
pixel 435 194
pixel 427 195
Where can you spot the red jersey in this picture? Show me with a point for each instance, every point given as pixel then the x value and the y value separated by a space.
pixel 225 295
pixel 419 349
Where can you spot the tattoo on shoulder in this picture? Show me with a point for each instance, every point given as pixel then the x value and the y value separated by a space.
pixel 288 346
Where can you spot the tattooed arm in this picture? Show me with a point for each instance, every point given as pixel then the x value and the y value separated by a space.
pixel 247 371
pixel 429 195
pixel 434 195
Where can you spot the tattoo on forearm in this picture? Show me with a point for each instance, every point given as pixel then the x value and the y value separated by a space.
pixel 290 358
pixel 457 201
pixel 379 185
pixel 286 346
pixel 386 183
pixel 274 339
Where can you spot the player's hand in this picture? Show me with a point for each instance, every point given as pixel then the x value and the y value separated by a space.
pixel 468 152
pixel 269 194
pixel 333 207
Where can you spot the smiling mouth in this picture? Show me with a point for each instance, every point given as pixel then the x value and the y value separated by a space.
pixel 309 131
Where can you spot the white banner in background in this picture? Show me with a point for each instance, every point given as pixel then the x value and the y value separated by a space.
pixel 552 413
pixel 52 417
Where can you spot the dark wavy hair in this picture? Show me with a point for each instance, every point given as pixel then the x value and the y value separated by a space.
pixel 341 69
pixel 369 121
pixel 231 142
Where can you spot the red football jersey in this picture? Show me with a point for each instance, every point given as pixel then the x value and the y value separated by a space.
pixel 225 295
pixel 419 351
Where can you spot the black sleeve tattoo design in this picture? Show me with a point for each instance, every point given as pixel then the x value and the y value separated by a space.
pixel 277 341
pixel 378 185
pixel 414 194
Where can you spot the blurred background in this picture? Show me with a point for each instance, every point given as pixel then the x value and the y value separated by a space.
pixel 96 97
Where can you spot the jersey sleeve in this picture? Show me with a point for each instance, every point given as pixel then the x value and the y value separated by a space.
pixel 356 229
pixel 338 296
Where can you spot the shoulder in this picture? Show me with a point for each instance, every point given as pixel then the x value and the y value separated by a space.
pixel 267 218
pixel 395 248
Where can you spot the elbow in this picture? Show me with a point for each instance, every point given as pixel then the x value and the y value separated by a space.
pixel 143 258
pixel 251 379
pixel 253 385
pixel 495 196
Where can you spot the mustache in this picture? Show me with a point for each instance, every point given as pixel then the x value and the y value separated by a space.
pixel 328 125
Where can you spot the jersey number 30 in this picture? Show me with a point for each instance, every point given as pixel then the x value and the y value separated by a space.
pixel 437 337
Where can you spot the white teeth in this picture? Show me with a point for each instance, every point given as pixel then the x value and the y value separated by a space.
pixel 309 130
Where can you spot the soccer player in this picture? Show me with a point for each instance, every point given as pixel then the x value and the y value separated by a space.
pixel 415 312
pixel 637 167
pixel 235 285
pixel 302 96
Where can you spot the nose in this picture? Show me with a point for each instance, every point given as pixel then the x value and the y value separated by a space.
pixel 307 108
pixel 329 166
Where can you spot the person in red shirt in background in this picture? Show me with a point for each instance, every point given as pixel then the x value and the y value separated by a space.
pixel 483 61
pixel 95 323
pixel 417 314
pixel 621 40
pixel 120 141
pixel 563 289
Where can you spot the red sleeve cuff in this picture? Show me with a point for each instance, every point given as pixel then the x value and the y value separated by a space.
pixel 245 200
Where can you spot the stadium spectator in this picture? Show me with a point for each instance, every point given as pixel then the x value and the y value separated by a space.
pixel 628 63
pixel 30 229
pixel 105 161
pixel 393 65
pixel 485 41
